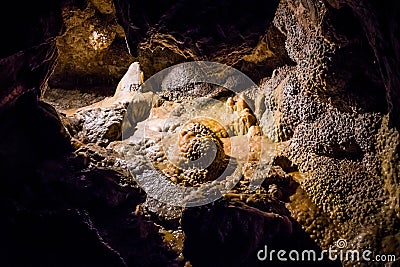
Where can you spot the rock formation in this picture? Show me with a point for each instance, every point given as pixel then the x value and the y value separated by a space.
pixel 328 77
pixel 92 50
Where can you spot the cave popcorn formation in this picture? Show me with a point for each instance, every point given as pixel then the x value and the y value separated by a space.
pixel 328 74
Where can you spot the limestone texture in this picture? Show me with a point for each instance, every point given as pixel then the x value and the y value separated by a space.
pixel 326 105
pixel 92 50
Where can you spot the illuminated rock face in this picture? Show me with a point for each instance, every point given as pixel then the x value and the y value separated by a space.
pixel 329 113
pixel 92 51
pixel 327 102
pixel 331 80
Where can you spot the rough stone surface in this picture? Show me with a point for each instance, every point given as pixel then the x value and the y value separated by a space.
pixel 176 32
pixel 232 232
pixel 329 74
pixel 101 122
pixel 100 125
pixel 379 24
pixel 92 51
pixel 55 211
pixel 329 109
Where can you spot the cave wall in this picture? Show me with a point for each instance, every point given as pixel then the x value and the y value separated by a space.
pixel 381 27
pixel 236 33
pixel 93 55
pixel 332 113
pixel 333 92
pixel 27 60
pixel 55 211
pixel 331 77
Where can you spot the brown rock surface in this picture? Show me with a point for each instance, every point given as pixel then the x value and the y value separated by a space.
pixel 176 32
pixel 329 73
pixel 92 51
pixel 329 109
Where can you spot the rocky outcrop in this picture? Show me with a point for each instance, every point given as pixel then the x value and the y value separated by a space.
pixel 329 110
pixel 233 232
pixel 234 33
pixel 101 122
pixel 328 103
pixel 329 75
pixel 55 210
pixel 92 51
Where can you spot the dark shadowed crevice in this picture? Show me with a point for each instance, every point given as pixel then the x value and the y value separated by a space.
pixel 286 164
pixel 379 22
pixel 353 67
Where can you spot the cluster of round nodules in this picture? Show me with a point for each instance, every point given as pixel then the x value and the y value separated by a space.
pixel 199 142
pixel 201 155
pixel 192 151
